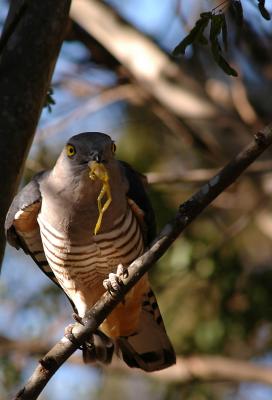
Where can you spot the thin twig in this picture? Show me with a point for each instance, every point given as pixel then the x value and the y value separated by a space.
pixel 187 212
pixel 200 174
pixel 99 101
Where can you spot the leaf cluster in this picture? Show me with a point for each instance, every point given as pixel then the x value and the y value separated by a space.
pixel 218 33
pixel 49 100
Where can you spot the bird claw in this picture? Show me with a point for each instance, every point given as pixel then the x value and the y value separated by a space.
pixel 77 318
pixel 68 329
pixel 68 333
pixel 113 283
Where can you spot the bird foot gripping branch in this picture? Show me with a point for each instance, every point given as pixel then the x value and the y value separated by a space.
pixel 113 284
pixel 98 171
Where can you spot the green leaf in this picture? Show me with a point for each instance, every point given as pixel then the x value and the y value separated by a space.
pixel 216 26
pixel 181 47
pixel 206 15
pixel 202 40
pixel 196 34
pixel 217 23
pixel 226 67
pixel 220 60
pixel 49 100
pixel 224 32
pixel 237 10
pixel 216 49
pixel 263 10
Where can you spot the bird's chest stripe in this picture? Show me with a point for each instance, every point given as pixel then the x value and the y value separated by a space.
pixel 104 252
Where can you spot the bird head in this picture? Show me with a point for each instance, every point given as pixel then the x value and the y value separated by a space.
pixel 87 147
pixel 88 166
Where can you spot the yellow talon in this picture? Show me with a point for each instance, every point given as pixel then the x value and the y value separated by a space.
pixel 99 171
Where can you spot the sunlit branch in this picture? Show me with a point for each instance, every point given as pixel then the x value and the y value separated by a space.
pixel 187 369
pixel 208 368
pixel 201 174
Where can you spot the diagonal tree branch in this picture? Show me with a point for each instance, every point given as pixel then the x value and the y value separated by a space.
pixel 187 212
pixel 166 83
pixel 143 58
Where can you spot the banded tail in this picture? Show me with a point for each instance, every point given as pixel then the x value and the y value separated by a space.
pixel 150 348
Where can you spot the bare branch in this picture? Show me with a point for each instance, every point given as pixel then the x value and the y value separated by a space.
pixel 187 369
pixel 211 368
pixel 143 59
pixel 207 368
pixel 98 101
pixel 25 347
pixel 204 120
pixel 201 174
pixel 102 308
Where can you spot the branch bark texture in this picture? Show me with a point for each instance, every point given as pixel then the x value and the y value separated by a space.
pixel 29 45
pixel 186 214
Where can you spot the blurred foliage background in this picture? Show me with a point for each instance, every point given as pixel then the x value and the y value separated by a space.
pixel 214 285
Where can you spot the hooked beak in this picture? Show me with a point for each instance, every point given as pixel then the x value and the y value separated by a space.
pixel 96 156
pixel 94 164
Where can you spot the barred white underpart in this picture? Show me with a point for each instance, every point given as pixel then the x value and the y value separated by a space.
pixel 79 267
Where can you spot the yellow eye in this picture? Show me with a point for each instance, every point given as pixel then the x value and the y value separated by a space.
pixel 113 147
pixel 70 150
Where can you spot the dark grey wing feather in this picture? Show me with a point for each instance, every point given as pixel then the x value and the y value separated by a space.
pixel 149 348
pixel 28 200
pixel 29 195
pixel 137 192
